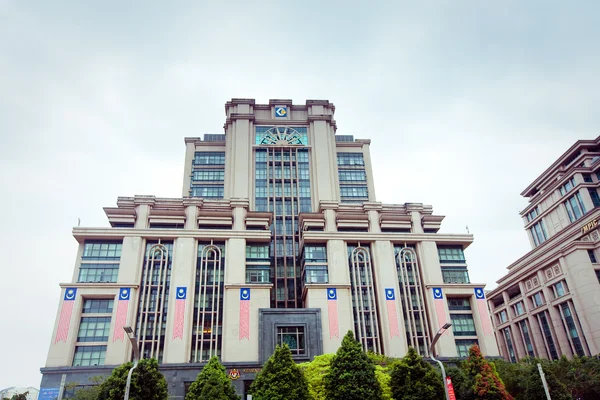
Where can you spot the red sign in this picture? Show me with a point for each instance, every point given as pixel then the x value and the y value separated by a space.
pixel 450 387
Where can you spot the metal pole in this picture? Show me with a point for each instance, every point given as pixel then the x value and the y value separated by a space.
pixel 136 357
pixel 432 355
pixel 543 376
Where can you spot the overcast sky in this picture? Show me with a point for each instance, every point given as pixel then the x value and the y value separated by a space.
pixel 466 103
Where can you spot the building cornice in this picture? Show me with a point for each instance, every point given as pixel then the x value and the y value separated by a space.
pixel 82 234
pixel 556 165
pixel 103 285
pixel 391 236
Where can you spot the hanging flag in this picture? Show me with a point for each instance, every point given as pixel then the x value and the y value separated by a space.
pixel 390 299
pixel 450 387
pixel 440 309
pixel 64 322
pixel 180 296
pixel 121 317
pixel 334 329
pixel 484 314
pixel 244 313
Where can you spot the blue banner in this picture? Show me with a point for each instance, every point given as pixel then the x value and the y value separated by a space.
pixel 48 394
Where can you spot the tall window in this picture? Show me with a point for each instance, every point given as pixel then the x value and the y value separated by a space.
pixel 575 207
pixel 412 299
pixel 532 214
pixel 353 178
pixel 526 338
pixel 547 334
pixel 538 232
pixel 453 263
pixel 153 304
pixel 509 344
pixel 94 329
pixel 293 336
pixel 208 174
pixel 571 329
pixel 366 324
pixel 258 263
pixel 282 186
pixel 314 264
pixel 100 261
pixel 207 335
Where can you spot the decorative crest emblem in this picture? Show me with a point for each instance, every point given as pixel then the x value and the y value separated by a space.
pixel 234 374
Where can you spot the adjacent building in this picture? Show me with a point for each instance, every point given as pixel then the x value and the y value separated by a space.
pixel 548 304
pixel 277 238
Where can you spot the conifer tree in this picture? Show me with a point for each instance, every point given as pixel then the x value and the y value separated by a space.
pixel 280 378
pixel 212 382
pixel 352 374
pixel 415 379
pixel 147 383
pixel 487 383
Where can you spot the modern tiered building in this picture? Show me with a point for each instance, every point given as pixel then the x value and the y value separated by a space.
pixel 548 304
pixel 277 238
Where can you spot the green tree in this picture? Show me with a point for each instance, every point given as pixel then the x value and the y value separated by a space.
pixel 534 388
pixel 147 383
pixel 213 382
pixel 414 379
pixel 280 378
pixel 352 374
pixel 463 386
pixel 88 392
pixel 315 372
pixel 486 381
pixel 581 375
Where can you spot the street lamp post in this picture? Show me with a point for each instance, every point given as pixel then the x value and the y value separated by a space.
pixel 432 355
pixel 136 357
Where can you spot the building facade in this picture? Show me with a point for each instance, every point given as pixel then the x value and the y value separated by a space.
pixel 548 304
pixel 277 238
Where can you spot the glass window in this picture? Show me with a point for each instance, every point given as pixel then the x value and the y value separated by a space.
pixel 258 273
pixel 451 254
pixel 354 191
pixel 455 275
pixel 519 308
pixel 350 159
pixel 532 214
pixel 94 329
pixel 594 195
pixel 509 344
pixel 463 325
pixel 587 178
pixel 315 253
pixel 270 135
pixel 537 300
pixel 463 346
pixel 525 331
pixel 293 336
pixel 559 289
pixel 538 231
pixel 598 275
pixel 575 207
pixel 502 317
pixel 567 186
pixel 543 321
pixel 257 252
pixel 98 306
pixel 316 273
pixel 571 329
pixel 98 272
pixel 352 175
pixel 93 250
pixel 460 304
pixel 209 158
pixel 89 355
pixel 592 256
pixel 215 175
pixel 208 191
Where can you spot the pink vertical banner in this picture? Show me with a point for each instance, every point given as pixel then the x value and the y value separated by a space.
pixel 440 307
pixel 390 299
pixel 180 296
pixel 332 310
pixel 64 322
pixel 484 314
pixel 121 316
pixel 245 313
